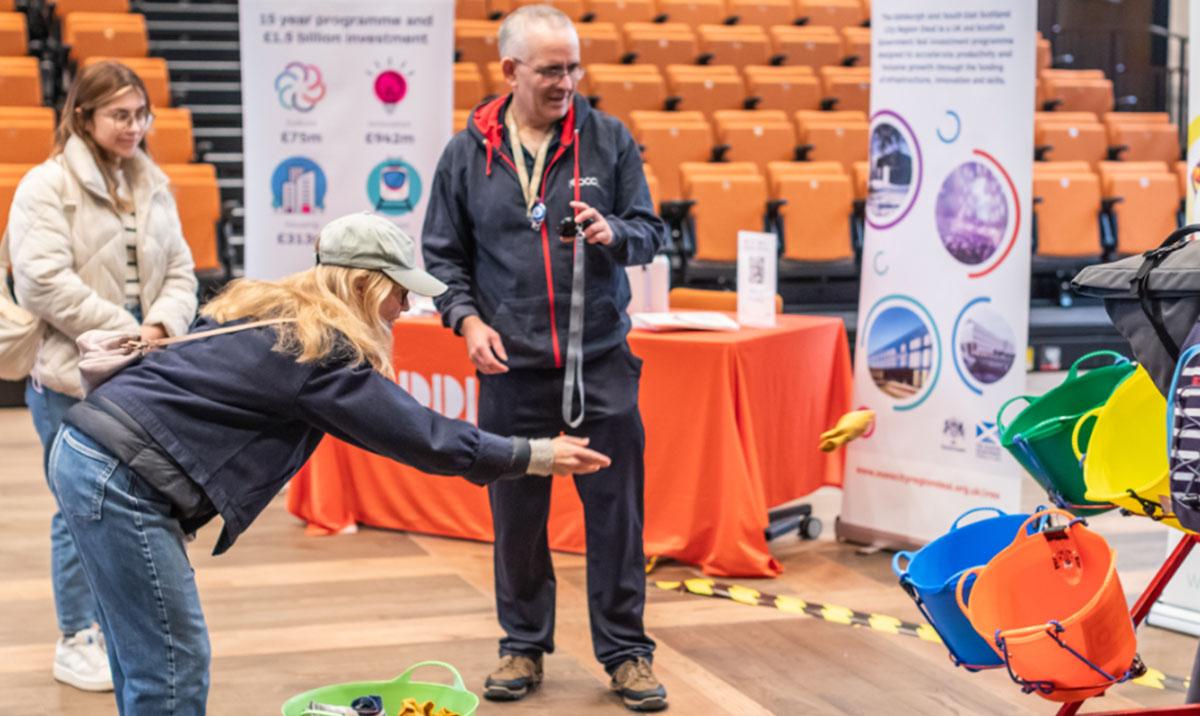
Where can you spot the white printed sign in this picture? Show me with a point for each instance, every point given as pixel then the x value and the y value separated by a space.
pixel 756 278
pixel 347 108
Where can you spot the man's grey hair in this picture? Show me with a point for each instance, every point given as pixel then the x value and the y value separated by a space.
pixel 514 30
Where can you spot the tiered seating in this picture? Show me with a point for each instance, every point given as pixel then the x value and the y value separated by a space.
pixel 13 31
pixel 672 43
pixel 468 85
pixel 620 11
pixel 1075 90
pixel 695 12
pixel 836 136
pixel 761 136
pixel 671 138
pixel 152 70
pixel 1067 210
pixel 816 215
pixel 764 13
pixel 475 40
pixel 706 88
pixel 786 88
pixel 857 44
pixel 836 13
pixel 847 87
pixel 170 137
pixel 736 45
pixel 814 46
pixel 1067 136
pixel 621 89
pixel 1142 136
pixel 725 203
pixel 1145 200
pixel 600 42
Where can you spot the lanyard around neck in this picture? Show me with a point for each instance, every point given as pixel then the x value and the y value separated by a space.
pixel 529 183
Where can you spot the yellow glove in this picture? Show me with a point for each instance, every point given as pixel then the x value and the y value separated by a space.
pixel 848 427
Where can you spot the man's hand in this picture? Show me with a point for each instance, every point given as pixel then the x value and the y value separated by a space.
pixel 571 456
pixel 153 332
pixel 599 231
pixel 484 347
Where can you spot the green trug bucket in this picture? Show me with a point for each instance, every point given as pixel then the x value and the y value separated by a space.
pixel 1040 436
pixel 456 697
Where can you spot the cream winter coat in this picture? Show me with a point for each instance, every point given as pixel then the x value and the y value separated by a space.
pixel 68 252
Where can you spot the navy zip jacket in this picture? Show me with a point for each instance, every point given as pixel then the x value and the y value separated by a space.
pixel 477 237
pixel 240 419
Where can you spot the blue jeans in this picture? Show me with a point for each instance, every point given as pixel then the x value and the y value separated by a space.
pixel 133 554
pixel 73 600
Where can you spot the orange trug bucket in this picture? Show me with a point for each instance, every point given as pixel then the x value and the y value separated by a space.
pixel 1052 607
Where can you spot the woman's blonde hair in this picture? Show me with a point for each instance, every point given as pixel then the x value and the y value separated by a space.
pixel 336 312
pixel 95 86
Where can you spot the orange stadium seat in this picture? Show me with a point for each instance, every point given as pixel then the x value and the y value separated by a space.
pixel 764 13
pixel 14 38
pixel 737 45
pixel 816 217
pixel 847 87
pixel 786 88
pixel 26 134
pixel 199 202
pixel 671 138
pixel 777 170
pixel 724 205
pixel 706 88
pixel 62 8
pixel 834 136
pixel 1067 207
pixel 475 40
pixel 620 11
pixel 836 13
pixel 1147 203
pixel 1067 141
pixel 99 34
pixel 811 46
pixel 760 136
pixel 20 83
pixel 494 78
pixel 600 42
pixel 620 89
pixel 471 10
pixel 683 298
pixel 170 137
pixel 1142 136
pixel 857 44
pixel 862 180
pixel 468 85
pixel 573 9
pixel 1077 90
pixel 10 176
pixel 152 70
pixel 695 12
pixel 671 43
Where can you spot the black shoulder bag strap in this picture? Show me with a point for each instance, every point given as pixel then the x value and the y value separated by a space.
pixel 1141 283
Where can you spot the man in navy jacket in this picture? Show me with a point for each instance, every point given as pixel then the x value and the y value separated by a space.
pixel 492 235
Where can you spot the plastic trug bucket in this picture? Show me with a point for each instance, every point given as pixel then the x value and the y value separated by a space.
pixel 455 697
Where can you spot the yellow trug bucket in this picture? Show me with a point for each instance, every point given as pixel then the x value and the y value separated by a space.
pixel 1126 460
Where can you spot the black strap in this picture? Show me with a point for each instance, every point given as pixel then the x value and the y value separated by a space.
pixel 1151 306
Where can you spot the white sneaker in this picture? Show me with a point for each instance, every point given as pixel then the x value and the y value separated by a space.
pixel 81 661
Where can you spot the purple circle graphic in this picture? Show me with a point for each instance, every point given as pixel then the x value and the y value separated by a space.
pixel 972 213
pixel 896 169
pixel 390 87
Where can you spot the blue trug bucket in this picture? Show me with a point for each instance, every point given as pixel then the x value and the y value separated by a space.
pixel 932 574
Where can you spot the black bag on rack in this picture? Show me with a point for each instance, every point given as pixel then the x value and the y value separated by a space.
pixel 1153 300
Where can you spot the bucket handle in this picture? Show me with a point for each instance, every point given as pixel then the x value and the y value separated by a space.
pixel 1092 414
pixel 1000 413
pixel 958 588
pixel 1023 533
pixel 986 508
pixel 406 677
pixel 1113 354
pixel 1053 629
pixel 901 572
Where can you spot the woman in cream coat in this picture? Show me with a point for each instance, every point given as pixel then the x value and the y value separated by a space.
pixel 96 242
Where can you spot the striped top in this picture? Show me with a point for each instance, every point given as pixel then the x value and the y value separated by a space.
pixel 133 286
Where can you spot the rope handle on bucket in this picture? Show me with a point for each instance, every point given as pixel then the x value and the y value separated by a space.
pixel 406 677
pixel 1094 354
pixel 1000 413
pixel 1052 629
pixel 986 508
pixel 1023 532
pixel 1093 414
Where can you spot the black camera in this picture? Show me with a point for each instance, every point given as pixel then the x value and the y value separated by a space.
pixel 567 227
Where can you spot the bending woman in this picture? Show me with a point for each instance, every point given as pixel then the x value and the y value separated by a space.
pixel 218 426
pixel 96 244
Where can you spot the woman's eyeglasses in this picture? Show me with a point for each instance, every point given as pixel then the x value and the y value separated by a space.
pixel 124 119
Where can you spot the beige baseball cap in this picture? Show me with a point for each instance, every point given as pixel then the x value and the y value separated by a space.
pixel 367 241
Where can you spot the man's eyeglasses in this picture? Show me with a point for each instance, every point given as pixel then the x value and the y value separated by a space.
pixel 124 119
pixel 555 73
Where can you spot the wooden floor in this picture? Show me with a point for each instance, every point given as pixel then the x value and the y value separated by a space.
pixel 289 612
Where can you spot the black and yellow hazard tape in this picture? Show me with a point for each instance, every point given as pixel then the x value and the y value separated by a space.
pixel 1153 678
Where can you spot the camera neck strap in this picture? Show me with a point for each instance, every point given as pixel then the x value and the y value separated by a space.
pixel 530 183
pixel 573 380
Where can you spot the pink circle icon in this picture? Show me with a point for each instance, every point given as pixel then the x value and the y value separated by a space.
pixel 390 87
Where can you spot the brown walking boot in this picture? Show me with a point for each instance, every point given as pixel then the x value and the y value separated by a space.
pixel 514 678
pixel 634 680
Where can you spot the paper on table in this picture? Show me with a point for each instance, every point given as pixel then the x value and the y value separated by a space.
pixel 684 321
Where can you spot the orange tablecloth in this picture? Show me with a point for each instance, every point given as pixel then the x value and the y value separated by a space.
pixel 731 429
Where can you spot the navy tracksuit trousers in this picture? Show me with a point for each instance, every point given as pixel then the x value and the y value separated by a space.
pixel 528 403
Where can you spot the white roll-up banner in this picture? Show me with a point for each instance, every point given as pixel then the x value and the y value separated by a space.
pixel 346 108
pixel 944 301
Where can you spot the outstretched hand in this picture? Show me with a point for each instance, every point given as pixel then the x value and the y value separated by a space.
pixel 571 456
